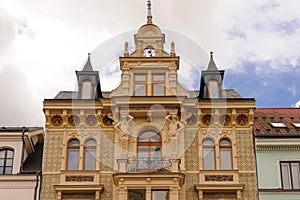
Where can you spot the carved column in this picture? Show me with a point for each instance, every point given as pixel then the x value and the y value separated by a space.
pixel 148 193
pixel 200 194
pixel 239 195
pixel 122 193
pixel 174 193
pixel 58 196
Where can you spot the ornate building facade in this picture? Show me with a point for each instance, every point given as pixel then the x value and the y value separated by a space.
pixel 149 138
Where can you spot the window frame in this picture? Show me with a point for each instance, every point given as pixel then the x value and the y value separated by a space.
pixel 82 89
pixel 85 151
pixel 135 82
pixel 154 82
pixel 209 88
pixel 73 147
pixel 149 144
pixel 291 175
pixel 212 147
pixel 225 147
pixel 5 159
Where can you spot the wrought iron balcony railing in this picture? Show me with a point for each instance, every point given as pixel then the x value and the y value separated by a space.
pixel 148 164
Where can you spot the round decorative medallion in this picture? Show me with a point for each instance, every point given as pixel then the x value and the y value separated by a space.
pixel 207 119
pixel 242 119
pixel 91 120
pixel 74 120
pixel 225 119
pixel 56 120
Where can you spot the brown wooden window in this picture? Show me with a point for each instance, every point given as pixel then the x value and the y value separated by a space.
pixel 290 175
pixel 140 84
pixel 149 150
pixel 6 161
pixel 73 155
pixel 208 154
pixel 225 154
pixel 90 155
pixel 158 85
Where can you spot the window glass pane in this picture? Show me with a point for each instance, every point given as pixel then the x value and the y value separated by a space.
pixel 2 154
pixel 9 162
pixel 295 175
pixel 143 157
pixel 10 154
pixel 213 89
pixel 73 143
pixel 225 158
pixel 1 162
pixel 73 156
pixel 225 143
pixel 140 78
pixel 285 175
pixel 209 158
pixel 90 159
pixel 155 157
pixel 146 136
pixel 160 195
pixel 158 90
pixel 158 77
pixel 86 92
pixel 136 194
pixel 1 170
pixel 8 170
pixel 90 143
pixel 140 90
pixel 208 143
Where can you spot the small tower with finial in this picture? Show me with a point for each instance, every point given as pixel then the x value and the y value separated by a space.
pixel 126 53
pixel 172 53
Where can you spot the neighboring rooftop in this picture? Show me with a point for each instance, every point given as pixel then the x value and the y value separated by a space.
pixel 18 129
pixel 276 122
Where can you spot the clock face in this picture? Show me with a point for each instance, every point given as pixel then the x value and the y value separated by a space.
pixel 148 52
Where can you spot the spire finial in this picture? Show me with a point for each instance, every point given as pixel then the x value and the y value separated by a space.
pixel 89 56
pixel 149 16
pixel 211 55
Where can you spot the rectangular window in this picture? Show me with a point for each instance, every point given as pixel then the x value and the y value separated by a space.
pixel 290 175
pixel 136 194
pixel 160 195
pixel 158 84
pixel 140 84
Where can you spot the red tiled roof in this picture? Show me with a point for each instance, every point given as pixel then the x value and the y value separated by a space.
pixel 263 117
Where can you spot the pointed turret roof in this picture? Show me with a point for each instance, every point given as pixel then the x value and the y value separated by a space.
pixel 88 66
pixel 149 16
pixel 212 65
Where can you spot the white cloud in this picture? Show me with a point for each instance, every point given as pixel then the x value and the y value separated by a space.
pixel 293 90
pixel 297 105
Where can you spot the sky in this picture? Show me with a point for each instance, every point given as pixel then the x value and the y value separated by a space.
pixel 43 42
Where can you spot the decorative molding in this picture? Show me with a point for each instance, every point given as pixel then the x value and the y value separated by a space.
pixel 278 148
pixel 218 177
pixel 79 178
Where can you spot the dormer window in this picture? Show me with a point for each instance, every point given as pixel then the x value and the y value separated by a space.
pixel 86 90
pixel 213 89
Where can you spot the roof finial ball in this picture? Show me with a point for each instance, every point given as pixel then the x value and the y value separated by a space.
pixel 149 16
pixel 212 55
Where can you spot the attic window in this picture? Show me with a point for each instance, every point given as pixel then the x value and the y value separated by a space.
pixel 278 125
pixel 297 125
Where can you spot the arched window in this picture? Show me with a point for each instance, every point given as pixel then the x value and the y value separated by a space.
pixel 149 150
pixel 225 154
pixel 86 90
pixel 208 154
pixel 213 89
pixel 73 155
pixel 6 161
pixel 90 155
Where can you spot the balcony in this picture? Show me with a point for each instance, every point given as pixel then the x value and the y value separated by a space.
pixel 144 165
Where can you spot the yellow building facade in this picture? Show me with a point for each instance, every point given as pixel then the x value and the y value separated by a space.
pixel 149 138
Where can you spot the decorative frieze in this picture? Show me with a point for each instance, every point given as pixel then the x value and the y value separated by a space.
pixel 218 177
pixel 80 178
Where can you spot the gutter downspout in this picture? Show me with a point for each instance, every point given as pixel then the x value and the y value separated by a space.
pixel 255 159
pixel 23 148
pixel 41 181
pixel 37 185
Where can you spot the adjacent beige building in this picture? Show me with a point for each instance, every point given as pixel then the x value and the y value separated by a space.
pixel 149 138
pixel 21 162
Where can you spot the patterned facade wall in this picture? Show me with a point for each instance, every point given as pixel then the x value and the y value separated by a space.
pixel 48 192
pixel 106 151
pixel 191 163
pixel 190 181
pixel 246 162
pixel 52 163
pixel 107 181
